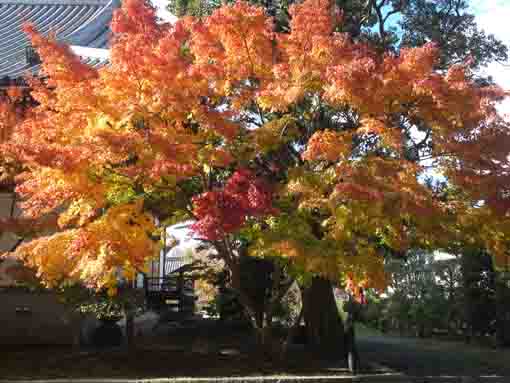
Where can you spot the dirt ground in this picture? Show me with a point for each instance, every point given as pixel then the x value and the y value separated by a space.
pixel 199 350
pixel 209 348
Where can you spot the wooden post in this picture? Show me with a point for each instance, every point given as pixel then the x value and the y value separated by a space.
pixel 180 291
pixel 350 340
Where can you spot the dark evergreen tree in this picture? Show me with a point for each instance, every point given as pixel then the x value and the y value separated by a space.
pixel 478 283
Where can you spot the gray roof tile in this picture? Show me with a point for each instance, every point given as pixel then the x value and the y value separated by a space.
pixel 77 22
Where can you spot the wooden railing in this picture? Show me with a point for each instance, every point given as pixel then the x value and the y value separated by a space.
pixel 170 293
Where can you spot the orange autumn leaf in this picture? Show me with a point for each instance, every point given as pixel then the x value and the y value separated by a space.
pixel 306 136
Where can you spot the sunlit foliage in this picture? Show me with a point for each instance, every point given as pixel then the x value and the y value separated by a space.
pixel 222 120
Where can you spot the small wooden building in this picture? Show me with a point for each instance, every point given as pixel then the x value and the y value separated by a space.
pixel 167 285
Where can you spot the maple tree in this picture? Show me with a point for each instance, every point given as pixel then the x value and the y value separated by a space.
pixel 291 146
pixel 392 25
pixel 13 108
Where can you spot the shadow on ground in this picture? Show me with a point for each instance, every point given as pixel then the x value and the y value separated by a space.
pixel 199 348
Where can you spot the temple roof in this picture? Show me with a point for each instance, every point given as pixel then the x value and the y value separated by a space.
pixel 80 23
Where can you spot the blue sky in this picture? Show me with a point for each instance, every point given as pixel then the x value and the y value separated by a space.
pixel 494 17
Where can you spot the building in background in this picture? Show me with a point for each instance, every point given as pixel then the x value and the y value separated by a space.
pixel 83 24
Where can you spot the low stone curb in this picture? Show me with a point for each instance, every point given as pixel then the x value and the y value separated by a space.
pixel 380 378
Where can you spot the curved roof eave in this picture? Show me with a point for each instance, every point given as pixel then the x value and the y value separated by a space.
pixel 81 23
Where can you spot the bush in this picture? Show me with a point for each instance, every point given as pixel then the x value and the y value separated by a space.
pixel 108 334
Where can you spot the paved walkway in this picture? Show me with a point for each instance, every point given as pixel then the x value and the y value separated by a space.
pixel 283 379
pixel 430 357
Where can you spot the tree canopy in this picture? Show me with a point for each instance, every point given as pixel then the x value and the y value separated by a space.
pixel 393 25
pixel 306 146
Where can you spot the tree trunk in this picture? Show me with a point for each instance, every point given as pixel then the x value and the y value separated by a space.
pixel 293 332
pixel 324 327
pixel 258 286
pixel 75 319
pixel 130 327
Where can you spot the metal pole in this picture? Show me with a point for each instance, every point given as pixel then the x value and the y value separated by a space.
pixel 164 252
